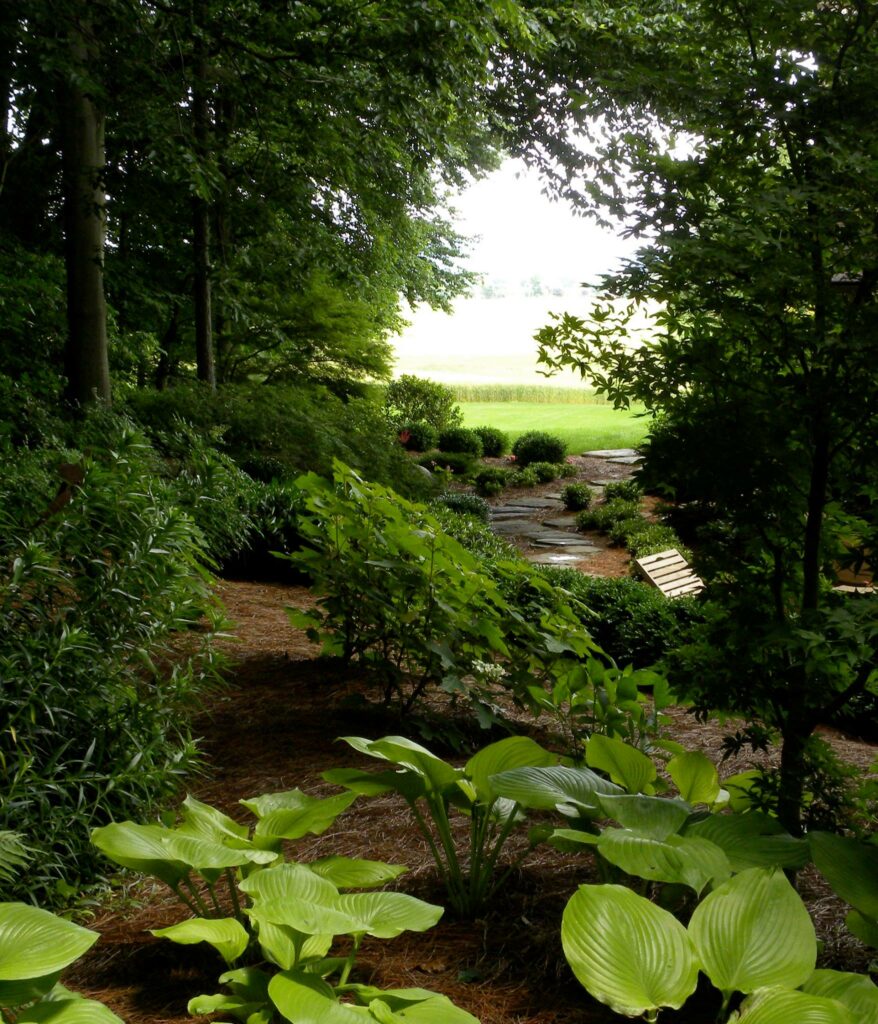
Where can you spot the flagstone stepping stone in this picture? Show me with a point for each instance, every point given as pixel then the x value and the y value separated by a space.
pixel 554 495
pixel 561 523
pixel 518 528
pixel 557 557
pixel 530 503
pixel 626 460
pixel 602 481
pixel 612 453
pixel 563 540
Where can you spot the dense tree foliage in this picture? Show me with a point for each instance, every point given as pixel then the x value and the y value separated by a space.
pixel 739 143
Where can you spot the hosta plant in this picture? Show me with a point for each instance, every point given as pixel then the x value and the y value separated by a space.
pixel 35 947
pixel 434 789
pixel 750 936
pixel 274 921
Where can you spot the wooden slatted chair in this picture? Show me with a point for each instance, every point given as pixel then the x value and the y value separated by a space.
pixel 671 573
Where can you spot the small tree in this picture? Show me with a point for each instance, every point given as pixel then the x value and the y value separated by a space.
pixel 410 399
pixel 763 261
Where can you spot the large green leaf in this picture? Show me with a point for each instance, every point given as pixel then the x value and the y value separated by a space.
pixel 751 841
pixel 68 1011
pixel 754 931
pixel 227 936
pixel 292 895
pixel 302 815
pixel 856 991
pixel 652 816
pixel 207 856
pixel 35 946
pixel 502 756
pixel 785 1006
pixel 387 914
pixel 350 873
pixel 286 947
pixel 304 999
pixel 627 952
pixel 437 774
pixel 695 776
pixel 207 822
pixel 574 791
pixel 865 928
pixel 412 1004
pixel 625 765
pixel 677 859
pixel 406 783
pixel 850 867
pixel 141 848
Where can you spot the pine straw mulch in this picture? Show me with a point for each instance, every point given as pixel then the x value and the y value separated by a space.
pixel 274 728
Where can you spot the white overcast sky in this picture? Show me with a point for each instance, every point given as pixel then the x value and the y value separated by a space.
pixel 521 232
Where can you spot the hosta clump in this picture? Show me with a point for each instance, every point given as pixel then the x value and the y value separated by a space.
pixel 433 787
pixel 274 921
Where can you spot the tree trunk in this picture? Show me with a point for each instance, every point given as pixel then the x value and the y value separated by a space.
pixel 791 786
pixel 84 205
pixel 204 355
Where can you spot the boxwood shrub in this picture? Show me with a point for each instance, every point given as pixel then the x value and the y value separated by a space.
pixel 537 446
pixel 418 436
pixel 494 442
pixel 491 480
pixel 577 497
pixel 460 439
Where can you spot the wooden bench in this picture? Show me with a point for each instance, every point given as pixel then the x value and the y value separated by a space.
pixel 671 573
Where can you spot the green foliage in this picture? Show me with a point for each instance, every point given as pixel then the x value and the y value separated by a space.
pixel 494 442
pixel 480 540
pixel 456 463
pixel 463 504
pixel 546 472
pixel 627 490
pixel 459 439
pixel 431 787
pixel 538 446
pixel 399 594
pixel 94 592
pixel 35 947
pixel 576 497
pixel 603 516
pixel 254 906
pixel 410 399
pixel 419 436
pixel 525 478
pixel 491 480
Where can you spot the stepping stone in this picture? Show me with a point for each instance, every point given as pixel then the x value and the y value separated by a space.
pixel 561 524
pixel 566 540
pixel 603 481
pixel 626 460
pixel 530 503
pixel 512 513
pixel 554 495
pixel 612 453
pixel 556 557
pixel 518 528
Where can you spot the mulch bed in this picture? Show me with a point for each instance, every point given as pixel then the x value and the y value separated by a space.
pixel 275 728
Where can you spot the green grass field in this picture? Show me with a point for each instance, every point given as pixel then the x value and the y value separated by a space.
pixel 584 427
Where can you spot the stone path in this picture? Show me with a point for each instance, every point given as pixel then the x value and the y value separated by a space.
pixel 554 540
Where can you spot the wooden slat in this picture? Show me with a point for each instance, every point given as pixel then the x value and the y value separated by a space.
pixel 648 560
pixel 670 573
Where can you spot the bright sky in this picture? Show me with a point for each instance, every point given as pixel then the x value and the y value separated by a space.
pixel 523 233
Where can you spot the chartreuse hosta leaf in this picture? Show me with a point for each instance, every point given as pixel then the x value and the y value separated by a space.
pixel 865 928
pixel 627 952
pixel 35 946
pixel 754 931
pixel 504 756
pixel 778 1005
pixel 751 840
pixel 68 1011
pixel 572 791
pixel 695 776
pixel 850 867
pixel 437 774
pixel 351 873
pixel 626 766
pixel 652 816
pixel 295 814
pixel 207 822
pixel 413 1005
pixel 406 783
pixel 856 991
pixel 677 859
pixel 227 936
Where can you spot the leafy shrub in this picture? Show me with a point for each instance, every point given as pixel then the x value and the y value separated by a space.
pixel 577 497
pixel 463 504
pixel 602 517
pixel 546 471
pixel 410 399
pixel 419 436
pixel 458 463
pixel 525 478
pixel 265 469
pixel 627 490
pixel 622 531
pixel 93 593
pixel 274 530
pixel 494 442
pixel 537 446
pixel 459 439
pixel 478 538
pixel 567 469
pixel 491 480
pixel 629 620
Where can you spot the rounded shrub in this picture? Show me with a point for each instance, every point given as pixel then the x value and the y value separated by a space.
pixel 525 478
pixel 458 463
pixel 463 504
pixel 491 480
pixel 537 446
pixel 577 497
pixel 460 439
pixel 627 490
pixel 410 399
pixel 418 436
pixel 494 442
pixel 546 471
pixel 567 469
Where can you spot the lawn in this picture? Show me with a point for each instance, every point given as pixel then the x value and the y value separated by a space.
pixel 583 427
